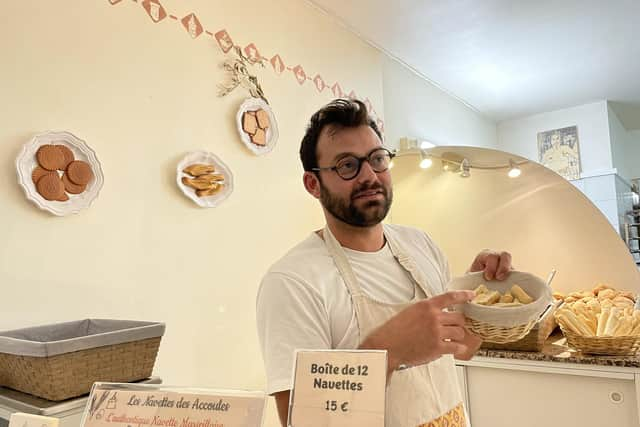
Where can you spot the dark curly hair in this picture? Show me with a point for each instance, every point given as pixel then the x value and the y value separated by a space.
pixel 339 113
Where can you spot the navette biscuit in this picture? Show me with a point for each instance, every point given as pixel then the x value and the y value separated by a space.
pixel 198 169
pixel 211 191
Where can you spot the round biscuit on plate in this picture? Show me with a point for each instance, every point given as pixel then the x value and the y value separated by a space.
pixel 50 157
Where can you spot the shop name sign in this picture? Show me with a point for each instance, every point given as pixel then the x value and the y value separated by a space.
pixel 129 405
pixel 338 388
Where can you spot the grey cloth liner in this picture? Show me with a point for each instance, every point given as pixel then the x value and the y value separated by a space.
pixel 60 338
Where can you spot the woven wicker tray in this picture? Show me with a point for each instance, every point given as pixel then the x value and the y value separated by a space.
pixel 61 361
pixel 611 346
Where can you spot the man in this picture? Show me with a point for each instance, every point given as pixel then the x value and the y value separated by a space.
pixel 361 284
pixel 559 157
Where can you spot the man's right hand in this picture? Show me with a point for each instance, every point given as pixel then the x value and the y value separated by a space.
pixel 422 332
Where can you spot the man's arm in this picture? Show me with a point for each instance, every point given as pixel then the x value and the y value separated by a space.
pixel 290 315
pixel 282 403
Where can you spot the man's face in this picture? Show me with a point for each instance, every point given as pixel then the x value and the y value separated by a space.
pixel 555 139
pixel 365 200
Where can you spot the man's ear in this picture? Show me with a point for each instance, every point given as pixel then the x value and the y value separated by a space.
pixel 311 184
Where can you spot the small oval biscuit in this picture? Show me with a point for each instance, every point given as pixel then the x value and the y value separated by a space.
pixel 211 191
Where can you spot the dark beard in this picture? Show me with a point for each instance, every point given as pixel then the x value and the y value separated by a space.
pixel 372 213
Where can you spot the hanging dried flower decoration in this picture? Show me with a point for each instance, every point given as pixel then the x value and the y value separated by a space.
pixel 239 75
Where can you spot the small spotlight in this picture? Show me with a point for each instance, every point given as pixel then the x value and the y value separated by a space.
pixel 425 162
pixel 391 164
pixel 514 170
pixel 465 170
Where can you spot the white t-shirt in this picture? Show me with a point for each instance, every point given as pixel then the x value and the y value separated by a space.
pixel 303 302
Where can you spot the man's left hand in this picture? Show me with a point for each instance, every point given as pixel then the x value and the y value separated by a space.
pixel 495 265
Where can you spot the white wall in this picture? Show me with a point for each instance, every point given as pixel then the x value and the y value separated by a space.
pixel 598 182
pixel 625 146
pixel 519 136
pixel 416 109
pixel 142 94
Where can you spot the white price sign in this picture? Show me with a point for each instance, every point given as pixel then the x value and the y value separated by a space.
pixel 338 388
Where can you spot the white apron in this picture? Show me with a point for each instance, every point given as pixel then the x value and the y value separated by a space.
pixel 426 395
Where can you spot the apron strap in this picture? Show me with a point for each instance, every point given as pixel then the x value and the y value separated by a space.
pixel 407 262
pixel 342 263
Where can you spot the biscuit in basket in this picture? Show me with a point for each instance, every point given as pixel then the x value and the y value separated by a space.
pixel 487 298
pixel 599 319
pixel 507 298
pixel 607 294
pixel 568 318
pixel 515 297
pixel 521 295
pixel 481 289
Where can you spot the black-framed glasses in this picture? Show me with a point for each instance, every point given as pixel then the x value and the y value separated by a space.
pixel 348 167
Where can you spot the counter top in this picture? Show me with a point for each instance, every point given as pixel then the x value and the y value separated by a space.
pixel 555 350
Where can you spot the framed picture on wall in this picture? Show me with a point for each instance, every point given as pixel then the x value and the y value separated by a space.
pixel 558 150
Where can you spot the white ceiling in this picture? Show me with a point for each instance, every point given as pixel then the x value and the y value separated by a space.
pixel 511 58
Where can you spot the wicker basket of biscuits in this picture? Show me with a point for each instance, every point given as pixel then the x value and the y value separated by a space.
pixel 503 311
pixel 601 321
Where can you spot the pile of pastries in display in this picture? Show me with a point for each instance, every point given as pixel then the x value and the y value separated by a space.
pixel 600 312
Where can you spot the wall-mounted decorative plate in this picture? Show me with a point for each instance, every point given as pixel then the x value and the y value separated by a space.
pixel 204 178
pixel 75 197
pixel 257 126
